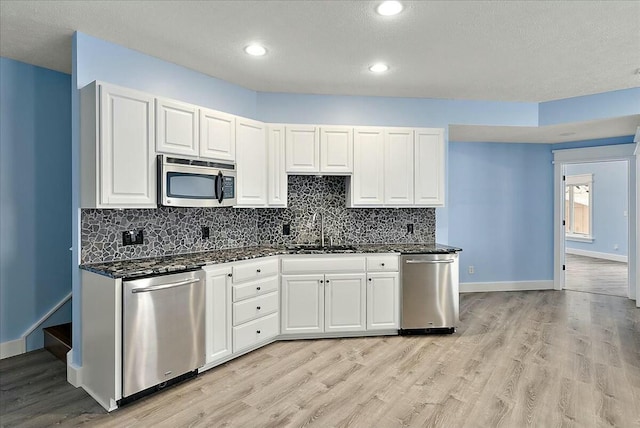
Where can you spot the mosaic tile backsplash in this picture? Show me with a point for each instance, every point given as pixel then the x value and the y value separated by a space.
pixel 326 196
pixel 169 231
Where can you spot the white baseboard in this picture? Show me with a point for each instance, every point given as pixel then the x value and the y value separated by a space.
pixel 12 348
pixel 478 287
pixel 597 255
pixel 74 372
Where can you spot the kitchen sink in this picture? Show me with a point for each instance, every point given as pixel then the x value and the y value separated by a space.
pixel 327 248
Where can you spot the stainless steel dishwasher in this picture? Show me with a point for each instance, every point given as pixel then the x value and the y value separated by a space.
pixel 163 331
pixel 430 296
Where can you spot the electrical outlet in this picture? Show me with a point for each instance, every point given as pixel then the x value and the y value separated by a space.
pixel 286 229
pixel 409 227
pixel 132 237
pixel 205 232
pixel 471 270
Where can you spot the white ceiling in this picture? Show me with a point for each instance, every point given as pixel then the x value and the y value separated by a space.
pixel 528 51
pixel 566 132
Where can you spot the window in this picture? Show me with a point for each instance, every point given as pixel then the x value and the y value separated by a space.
pixel 578 207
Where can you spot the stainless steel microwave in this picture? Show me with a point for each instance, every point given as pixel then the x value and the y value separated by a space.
pixel 195 183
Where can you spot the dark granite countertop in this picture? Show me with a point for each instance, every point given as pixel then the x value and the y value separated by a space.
pixel 158 265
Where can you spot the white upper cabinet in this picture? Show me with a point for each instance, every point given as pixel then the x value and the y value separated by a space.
pixel 118 167
pixel 398 166
pixel 336 150
pixel 176 128
pixel 319 149
pixel 302 149
pixel 217 135
pixel 429 164
pixel 277 175
pixel 367 183
pixel 251 155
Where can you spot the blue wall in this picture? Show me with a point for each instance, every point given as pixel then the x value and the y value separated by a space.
pixel 588 107
pixel 501 210
pixel 35 197
pixel 610 200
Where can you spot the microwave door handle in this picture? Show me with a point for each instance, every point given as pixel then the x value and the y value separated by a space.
pixel 220 186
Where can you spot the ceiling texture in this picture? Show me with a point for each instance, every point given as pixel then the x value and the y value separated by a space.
pixel 526 51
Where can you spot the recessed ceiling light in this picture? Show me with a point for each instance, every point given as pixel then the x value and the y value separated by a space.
pixel 388 8
pixel 255 49
pixel 379 68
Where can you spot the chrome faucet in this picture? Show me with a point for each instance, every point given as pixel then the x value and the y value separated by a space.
pixel 318 213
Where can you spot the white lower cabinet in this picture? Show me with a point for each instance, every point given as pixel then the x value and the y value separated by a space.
pixel 302 304
pixel 383 301
pixel 254 332
pixel 345 302
pixel 218 313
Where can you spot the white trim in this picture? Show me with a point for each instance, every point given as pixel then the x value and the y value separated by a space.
pixel 558 229
pixel 74 372
pixel 47 315
pixel 579 238
pixel 593 154
pixel 12 348
pixel 481 287
pixel 597 255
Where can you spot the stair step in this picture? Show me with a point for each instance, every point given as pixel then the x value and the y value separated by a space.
pixel 57 340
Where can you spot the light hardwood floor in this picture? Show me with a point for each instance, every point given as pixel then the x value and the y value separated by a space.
pixel 592 275
pixel 540 359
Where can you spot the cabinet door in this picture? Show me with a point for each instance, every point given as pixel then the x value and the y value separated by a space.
pixel 383 301
pixel 345 302
pixel 277 178
pixel 217 135
pixel 398 166
pixel 218 315
pixel 251 155
pixel 367 184
pixel 336 150
pixel 302 149
pixel 302 304
pixel 429 167
pixel 176 127
pixel 127 172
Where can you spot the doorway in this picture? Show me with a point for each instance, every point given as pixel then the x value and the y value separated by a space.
pixel 592 255
pixel 596 214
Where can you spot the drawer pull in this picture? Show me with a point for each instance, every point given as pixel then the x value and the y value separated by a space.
pixel 258 270
pixel 258 331
pixel 258 288
pixel 258 308
pixel 382 264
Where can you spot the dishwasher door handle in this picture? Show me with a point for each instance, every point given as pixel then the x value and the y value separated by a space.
pixel 165 286
pixel 429 261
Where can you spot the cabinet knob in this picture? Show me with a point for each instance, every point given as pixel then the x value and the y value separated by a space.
pixel 369 279
pixel 258 331
pixel 258 288
pixel 258 270
pixel 229 275
pixel 327 281
pixel 321 281
pixel 258 307
pixel 382 264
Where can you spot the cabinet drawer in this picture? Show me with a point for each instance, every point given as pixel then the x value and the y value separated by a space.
pixel 256 288
pixel 254 332
pixel 382 264
pixel 253 270
pixel 255 307
pixel 331 264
